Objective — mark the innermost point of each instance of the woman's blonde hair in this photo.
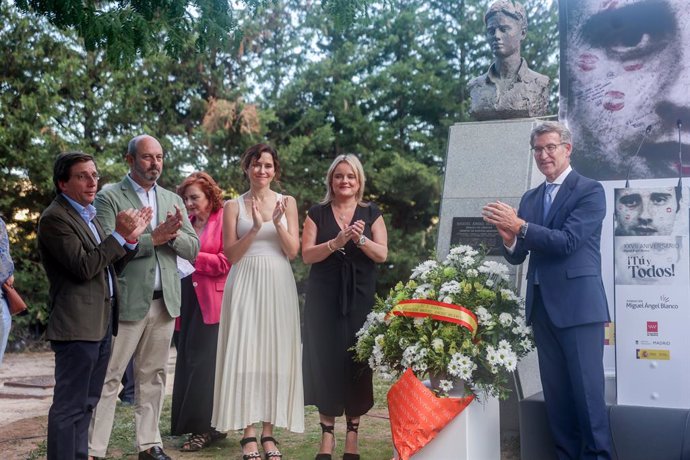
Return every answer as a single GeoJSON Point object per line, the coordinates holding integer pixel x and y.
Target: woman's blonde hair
{"type": "Point", "coordinates": [356, 165]}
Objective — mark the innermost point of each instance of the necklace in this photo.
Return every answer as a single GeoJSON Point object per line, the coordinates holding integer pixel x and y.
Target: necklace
{"type": "Point", "coordinates": [342, 215]}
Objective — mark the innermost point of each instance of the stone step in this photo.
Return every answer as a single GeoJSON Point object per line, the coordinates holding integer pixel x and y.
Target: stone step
{"type": "Point", "coordinates": [40, 386]}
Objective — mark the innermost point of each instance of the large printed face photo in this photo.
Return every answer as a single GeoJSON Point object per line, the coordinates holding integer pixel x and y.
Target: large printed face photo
{"type": "Point", "coordinates": [646, 211]}
{"type": "Point", "coordinates": [625, 65]}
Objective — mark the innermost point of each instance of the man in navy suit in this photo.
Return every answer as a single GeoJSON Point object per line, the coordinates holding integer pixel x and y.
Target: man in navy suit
{"type": "Point", "coordinates": [559, 225]}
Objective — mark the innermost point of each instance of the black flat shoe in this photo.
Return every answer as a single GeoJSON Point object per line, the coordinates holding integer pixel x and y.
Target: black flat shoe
{"type": "Point", "coordinates": [154, 453]}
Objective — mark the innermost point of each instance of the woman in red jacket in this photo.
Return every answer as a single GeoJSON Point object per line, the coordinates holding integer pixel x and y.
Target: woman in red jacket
{"type": "Point", "coordinates": [202, 295]}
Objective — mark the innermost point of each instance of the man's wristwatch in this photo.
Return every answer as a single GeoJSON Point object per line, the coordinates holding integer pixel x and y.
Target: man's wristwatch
{"type": "Point", "coordinates": [523, 231]}
{"type": "Point", "coordinates": [362, 241]}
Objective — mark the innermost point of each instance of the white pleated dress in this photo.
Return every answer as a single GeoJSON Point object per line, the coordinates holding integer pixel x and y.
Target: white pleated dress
{"type": "Point", "coordinates": [259, 362]}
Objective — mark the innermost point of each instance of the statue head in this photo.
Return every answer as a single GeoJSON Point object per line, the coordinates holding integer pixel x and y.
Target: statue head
{"type": "Point", "coordinates": [510, 8]}
{"type": "Point", "coordinates": [506, 27]}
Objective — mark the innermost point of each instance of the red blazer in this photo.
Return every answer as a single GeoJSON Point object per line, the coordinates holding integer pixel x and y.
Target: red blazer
{"type": "Point", "coordinates": [212, 268]}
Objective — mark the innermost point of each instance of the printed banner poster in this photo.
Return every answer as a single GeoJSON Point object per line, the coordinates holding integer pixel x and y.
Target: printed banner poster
{"type": "Point", "coordinates": [626, 101]}
{"type": "Point", "coordinates": [652, 288]}
{"type": "Point", "coordinates": [621, 82]}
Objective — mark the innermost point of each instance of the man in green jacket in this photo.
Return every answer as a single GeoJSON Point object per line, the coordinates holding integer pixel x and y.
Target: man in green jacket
{"type": "Point", "coordinates": [150, 292]}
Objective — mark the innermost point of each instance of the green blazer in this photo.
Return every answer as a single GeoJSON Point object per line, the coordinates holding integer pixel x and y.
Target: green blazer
{"type": "Point", "coordinates": [136, 280]}
{"type": "Point", "coordinates": [76, 266]}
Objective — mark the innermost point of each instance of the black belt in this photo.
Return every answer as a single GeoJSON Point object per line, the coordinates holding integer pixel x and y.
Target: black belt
{"type": "Point", "coordinates": [157, 295]}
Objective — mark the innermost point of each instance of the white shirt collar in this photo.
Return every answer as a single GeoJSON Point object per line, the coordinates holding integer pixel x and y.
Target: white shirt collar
{"type": "Point", "coordinates": [561, 178]}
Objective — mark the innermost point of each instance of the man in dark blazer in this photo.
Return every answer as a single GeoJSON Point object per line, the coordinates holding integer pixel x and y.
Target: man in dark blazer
{"type": "Point", "coordinates": [558, 224]}
{"type": "Point", "coordinates": [81, 263]}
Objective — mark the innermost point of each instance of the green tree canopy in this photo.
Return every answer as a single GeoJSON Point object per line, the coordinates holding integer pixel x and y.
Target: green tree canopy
{"type": "Point", "coordinates": [386, 87]}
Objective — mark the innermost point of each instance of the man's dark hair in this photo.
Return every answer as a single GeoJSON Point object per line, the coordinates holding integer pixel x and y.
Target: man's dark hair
{"type": "Point", "coordinates": [63, 165]}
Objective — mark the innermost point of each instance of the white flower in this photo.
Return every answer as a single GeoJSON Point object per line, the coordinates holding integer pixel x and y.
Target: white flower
{"type": "Point", "coordinates": [445, 385]}
{"type": "Point", "coordinates": [489, 282]}
{"type": "Point", "coordinates": [418, 321]}
{"type": "Point", "coordinates": [409, 355]}
{"type": "Point", "coordinates": [379, 340]}
{"type": "Point", "coordinates": [446, 299]}
{"type": "Point", "coordinates": [422, 270]}
{"type": "Point", "coordinates": [494, 270]}
{"type": "Point", "coordinates": [423, 291]}
{"type": "Point", "coordinates": [419, 367]}
{"type": "Point", "coordinates": [449, 287]}
{"type": "Point", "coordinates": [526, 344]}
{"type": "Point", "coordinates": [492, 356]}
{"type": "Point", "coordinates": [521, 327]}
{"type": "Point", "coordinates": [504, 345]}
{"type": "Point", "coordinates": [423, 352]}
{"type": "Point", "coordinates": [437, 345]}
{"type": "Point", "coordinates": [461, 255]}
{"type": "Point", "coordinates": [472, 273]}
{"type": "Point", "coordinates": [484, 317]}
{"type": "Point", "coordinates": [509, 295]}
{"type": "Point", "coordinates": [373, 318]}
{"type": "Point", "coordinates": [461, 366]}
{"type": "Point", "coordinates": [510, 362]}
{"type": "Point", "coordinates": [505, 319]}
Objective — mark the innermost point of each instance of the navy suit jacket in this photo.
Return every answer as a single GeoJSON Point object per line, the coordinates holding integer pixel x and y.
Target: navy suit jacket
{"type": "Point", "coordinates": [564, 248]}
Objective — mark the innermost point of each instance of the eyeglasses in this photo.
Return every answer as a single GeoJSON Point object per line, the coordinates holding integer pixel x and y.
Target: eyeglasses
{"type": "Point", "coordinates": [548, 148]}
{"type": "Point", "coordinates": [84, 176]}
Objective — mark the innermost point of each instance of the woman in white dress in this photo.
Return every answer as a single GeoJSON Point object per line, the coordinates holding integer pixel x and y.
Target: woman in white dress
{"type": "Point", "coordinates": [258, 369]}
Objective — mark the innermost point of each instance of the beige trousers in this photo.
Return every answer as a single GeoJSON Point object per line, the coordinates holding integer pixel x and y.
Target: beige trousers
{"type": "Point", "coordinates": [148, 341]}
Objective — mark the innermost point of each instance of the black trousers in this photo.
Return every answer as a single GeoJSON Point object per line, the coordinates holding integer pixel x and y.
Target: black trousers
{"type": "Point", "coordinates": [80, 368]}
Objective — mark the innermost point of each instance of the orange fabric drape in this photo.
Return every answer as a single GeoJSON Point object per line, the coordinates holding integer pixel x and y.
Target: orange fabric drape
{"type": "Point", "coordinates": [417, 415]}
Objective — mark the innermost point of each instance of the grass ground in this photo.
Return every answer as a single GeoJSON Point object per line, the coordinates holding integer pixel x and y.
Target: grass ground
{"type": "Point", "coordinates": [375, 443]}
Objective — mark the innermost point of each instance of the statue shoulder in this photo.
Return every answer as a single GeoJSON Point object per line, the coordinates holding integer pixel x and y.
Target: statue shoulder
{"type": "Point", "coordinates": [536, 77]}
{"type": "Point", "coordinates": [477, 81]}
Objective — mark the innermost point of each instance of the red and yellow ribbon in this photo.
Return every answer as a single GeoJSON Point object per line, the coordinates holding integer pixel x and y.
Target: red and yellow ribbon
{"type": "Point", "coordinates": [419, 308]}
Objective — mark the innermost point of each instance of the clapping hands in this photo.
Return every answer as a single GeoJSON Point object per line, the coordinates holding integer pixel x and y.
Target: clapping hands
{"type": "Point", "coordinates": [131, 223]}
{"type": "Point", "coordinates": [279, 210]}
{"type": "Point", "coordinates": [168, 230]}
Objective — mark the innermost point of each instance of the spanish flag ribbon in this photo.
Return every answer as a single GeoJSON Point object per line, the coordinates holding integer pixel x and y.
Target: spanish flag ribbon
{"type": "Point", "coordinates": [421, 308]}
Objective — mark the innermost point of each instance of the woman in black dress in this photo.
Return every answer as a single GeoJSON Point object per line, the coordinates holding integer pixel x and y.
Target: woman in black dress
{"type": "Point", "coordinates": [202, 296]}
{"type": "Point", "coordinates": [343, 239]}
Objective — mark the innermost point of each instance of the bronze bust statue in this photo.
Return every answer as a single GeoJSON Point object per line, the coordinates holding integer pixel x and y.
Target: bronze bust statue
{"type": "Point", "coordinates": [509, 89]}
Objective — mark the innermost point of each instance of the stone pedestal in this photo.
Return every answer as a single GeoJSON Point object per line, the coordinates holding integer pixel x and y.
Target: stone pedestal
{"type": "Point", "coordinates": [486, 161]}
{"type": "Point", "coordinates": [473, 434]}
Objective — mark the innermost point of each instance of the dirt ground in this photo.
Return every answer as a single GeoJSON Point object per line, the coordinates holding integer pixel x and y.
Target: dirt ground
{"type": "Point", "coordinates": [26, 393]}
{"type": "Point", "coordinates": [24, 409]}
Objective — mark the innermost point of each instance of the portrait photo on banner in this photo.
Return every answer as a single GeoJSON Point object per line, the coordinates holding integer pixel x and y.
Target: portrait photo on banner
{"type": "Point", "coordinates": [625, 86]}
{"type": "Point", "coordinates": [651, 235]}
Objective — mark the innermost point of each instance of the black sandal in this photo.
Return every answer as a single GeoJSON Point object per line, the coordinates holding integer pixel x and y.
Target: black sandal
{"type": "Point", "coordinates": [326, 429]}
{"type": "Point", "coordinates": [270, 453]}
{"type": "Point", "coordinates": [351, 427]}
{"type": "Point", "coordinates": [196, 442]}
{"type": "Point", "coordinates": [250, 455]}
